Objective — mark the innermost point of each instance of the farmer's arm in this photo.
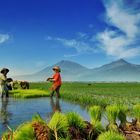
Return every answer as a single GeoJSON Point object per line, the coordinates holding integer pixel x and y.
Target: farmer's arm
{"type": "Point", "coordinates": [49, 79]}
{"type": "Point", "coordinates": [54, 78]}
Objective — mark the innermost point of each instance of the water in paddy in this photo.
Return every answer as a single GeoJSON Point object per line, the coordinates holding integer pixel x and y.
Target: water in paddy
{"type": "Point", "coordinates": [16, 111]}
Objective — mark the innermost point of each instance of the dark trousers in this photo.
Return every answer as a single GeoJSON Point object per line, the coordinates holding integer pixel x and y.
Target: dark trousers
{"type": "Point", "coordinates": [4, 91]}
{"type": "Point", "coordinates": [57, 92]}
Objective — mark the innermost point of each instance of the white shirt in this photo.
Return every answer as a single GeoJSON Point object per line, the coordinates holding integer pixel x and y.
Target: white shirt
{"type": "Point", "coordinates": [2, 79]}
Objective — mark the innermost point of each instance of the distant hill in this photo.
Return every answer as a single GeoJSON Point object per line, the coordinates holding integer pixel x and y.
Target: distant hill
{"type": "Point", "coordinates": [119, 70]}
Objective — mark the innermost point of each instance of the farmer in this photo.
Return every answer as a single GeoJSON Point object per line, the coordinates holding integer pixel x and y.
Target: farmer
{"type": "Point", "coordinates": [3, 82]}
{"type": "Point", "coordinates": [56, 79]}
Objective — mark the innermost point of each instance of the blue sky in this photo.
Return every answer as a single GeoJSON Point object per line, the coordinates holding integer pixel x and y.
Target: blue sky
{"type": "Point", "coordinates": [38, 33]}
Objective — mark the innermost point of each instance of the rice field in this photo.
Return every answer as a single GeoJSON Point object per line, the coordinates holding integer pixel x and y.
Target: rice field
{"type": "Point", "coordinates": [116, 100]}
{"type": "Point", "coordinates": [97, 93]}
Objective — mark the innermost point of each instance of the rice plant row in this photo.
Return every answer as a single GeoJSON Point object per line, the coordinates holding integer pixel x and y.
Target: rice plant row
{"type": "Point", "coordinates": [102, 94]}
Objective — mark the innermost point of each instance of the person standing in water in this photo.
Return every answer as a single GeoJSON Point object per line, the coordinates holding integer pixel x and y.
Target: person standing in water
{"type": "Point", "coordinates": [56, 80]}
{"type": "Point", "coordinates": [3, 82]}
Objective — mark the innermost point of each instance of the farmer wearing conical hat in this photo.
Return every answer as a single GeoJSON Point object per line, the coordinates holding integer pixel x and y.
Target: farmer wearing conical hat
{"type": "Point", "coordinates": [56, 80]}
{"type": "Point", "coordinates": [3, 80]}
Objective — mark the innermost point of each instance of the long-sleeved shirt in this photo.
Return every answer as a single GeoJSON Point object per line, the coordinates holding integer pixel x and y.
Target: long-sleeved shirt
{"type": "Point", "coordinates": [57, 79]}
{"type": "Point", "coordinates": [2, 79]}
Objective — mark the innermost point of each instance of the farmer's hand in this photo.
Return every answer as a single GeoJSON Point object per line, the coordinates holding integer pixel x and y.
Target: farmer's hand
{"type": "Point", "coordinates": [48, 79]}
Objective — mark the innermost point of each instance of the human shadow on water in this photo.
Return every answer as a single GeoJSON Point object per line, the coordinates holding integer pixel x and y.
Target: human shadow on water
{"type": "Point", "coordinates": [55, 105]}
{"type": "Point", "coordinates": [4, 114]}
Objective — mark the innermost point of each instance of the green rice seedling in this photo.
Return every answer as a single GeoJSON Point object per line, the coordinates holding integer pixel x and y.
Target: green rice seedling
{"type": "Point", "coordinates": [136, 111]}
{"type": "Point", "coordinates": [30, 93]}
{"type": "Point", "coordinates": [76, 125]}
{"type": "Point", "coordinates": [75, 120]}
{"type": "Point", "coordinates": [110, 135]}
{"type": "Point", "coordinates": [97, 129]}
{"type": "Point", "coordinates": [40, 127]}
{"type": "Point", "coordinates": [112, 113]}
{"type": "Point", "coordinates": [103, 102]}
{"type": "Point", "coordinates": [97, 94]}
{"type": "Point", "coordinates": [59, 125]}
{"type": "Point", "coordinates": [95, 113]}
{"type": "Point", "coordinates": [24, 132]}
{"type": "Point", "coordinates": [123, 109]}
{"type": "Point", "coordinates": [97, 125]}
{"type": "Point", "coordinates": [38, 118]}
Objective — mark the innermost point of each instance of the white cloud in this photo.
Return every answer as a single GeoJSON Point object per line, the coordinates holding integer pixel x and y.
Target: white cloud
{"type": "Point", "coordinates": [117, 45]}
{"type": "Point", "coordinates": [123, 42]}
{"type": "Point", "coordinates": [125, 19]}
{"type": "Point", "coordinates": [79, 44]}
{"type": "Point", "coordinates": [121, 37]}
{"type": "Point", "coordinates": [4, 38]}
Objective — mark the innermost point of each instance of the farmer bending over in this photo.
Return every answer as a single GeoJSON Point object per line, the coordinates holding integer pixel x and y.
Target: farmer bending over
{"type": "Point", "coordinates": [56, 79]}
{"type": "Point", "coordinates": [3, 82]}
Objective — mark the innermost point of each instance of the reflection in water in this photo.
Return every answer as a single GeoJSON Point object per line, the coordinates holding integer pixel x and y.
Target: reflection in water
{"type": "Point", "coordinates": [4, 114]}
{"type": "Point", "coordinates": [55, 105]}
{"type": "Point", "coordinates": [18, 111]}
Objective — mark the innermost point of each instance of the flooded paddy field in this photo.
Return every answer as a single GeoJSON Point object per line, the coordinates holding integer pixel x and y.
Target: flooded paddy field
{"type": "Point", "coordinates": [16, 111]}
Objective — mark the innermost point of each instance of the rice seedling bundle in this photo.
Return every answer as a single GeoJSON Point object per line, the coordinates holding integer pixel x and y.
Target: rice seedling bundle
{"type": "Point", "coordinates": [29, 93]}
{"type": "Point", "coordinates": [136, 110]}
{"type": "Point", "coordinates": [112, 113]}
{"type": "Point", "coordinates": [95, 113]}
{"type": "Point", "coordinates": [24, 132]}
{"type": "Point", "coordinates": [59, 125]}
{"type": "Point", "coordinates": [123, 109]}
{"type": "Point", "coordinates": [110, 135]}
{"type": "Point", "coordinates": [75, 120]}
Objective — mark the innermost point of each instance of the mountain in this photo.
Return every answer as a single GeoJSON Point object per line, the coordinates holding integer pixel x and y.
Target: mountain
{"type": "Point", "coordinates": [119, 70]}
{"type": "Point", "coordinates": [70, 70]}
